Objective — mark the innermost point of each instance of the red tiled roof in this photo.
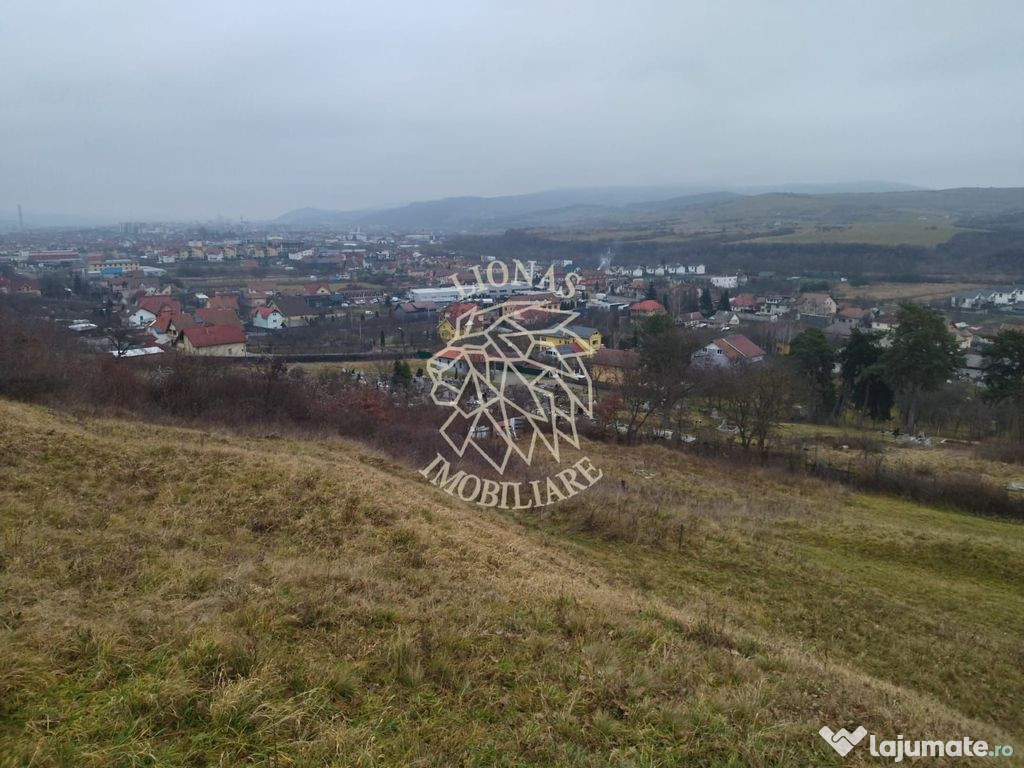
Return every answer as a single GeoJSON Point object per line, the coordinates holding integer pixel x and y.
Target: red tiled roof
{"type": "Point", "coordinates": [159, 305]}
{"type": "Point", "coordinates": [531, 314]}
{"type": "Point", "coordinates": [264, 312]}
{"type": "Point", "coordinates": [739, 346]}
{"type": "Point", "coordinates": [457, 310]}
{"type": "Point", "coordinates": [648, 305]}
{"type": "Point", "coordinates": [742, 300]}
{"type": "Point", "coordinates": [222, 301]}
{"type": "Point", "coordinates": [161, 323]}
{"type": "Point", "coordinates": [214, 335]}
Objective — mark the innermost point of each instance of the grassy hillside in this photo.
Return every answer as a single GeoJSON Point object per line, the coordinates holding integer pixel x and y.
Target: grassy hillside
{"type": "Point", "coordinates": [179, 597]}
{"type": "Point", "coordinates": [910, 231]}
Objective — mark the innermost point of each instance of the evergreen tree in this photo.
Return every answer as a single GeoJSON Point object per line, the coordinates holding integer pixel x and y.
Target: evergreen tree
{"type": "Point", "coordinates": [723, 302]}
{"type": "Point", "coordinates": [707, 306]}
{"type": "Point", "coordinates": [860, 373]}
{"type": "Point", "coordinates": [923, 355]}
{"type": "Point", "coordinates": [814, 359]}
{"type": "Point", "coordinates": [1004, 370]}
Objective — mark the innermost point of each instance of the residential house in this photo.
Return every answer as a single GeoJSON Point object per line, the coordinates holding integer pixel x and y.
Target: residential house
{"type": "Point", "coordinates": [450, 360]}
{"type": "Point", "coordinates": [258, 294]}
{"type": "Point", "coordinates": [610, 366]}
{"type": "Point", "coordinates": [149, 308]}
{"type": "Point", "coordinates": [177, 325]}
{"type": "Point", "coordinates": [743, 302]}
{"type": "Point", "coordinates": [449, 328]}
{"type": "Point", "coordinates": [883, 322]}
{"type": "Point", "coordinates": [968, 300]}
{"type": "Point", "coordinates": [1006, 295]}
{"type": "Point", "coordinates": [587, 337]}
{"type": "Point", "coordinates": [817, 304]}
{"type": "Point", "coordinates": [268, 318]}
{"type": "Point", "coordinates": [777, 305]}
{"type": "Point", "coordinates": [730, 350]}
{"type": "Point", "coordinates": [167, 329]}
{"type": "Point", "coordinates": [317, 294]}
{"type": "Point", "coordinates": [725, 281]}
{"type": "Point", "coordinates": [646, 308]}
{"type": "Point", "coordinates": [214, 341]}
{"type": "Point", "coordinates": [723, 319]}
{"type": "Point", "coordinates": [223, 301]}
{"type": "Point", "coordinates": [294, 309]}
{"type": "Point", "coordinates": [416, 309]}
{"type": "Point", "coordinates": [690, 319]}
{"type": "Point", "coordinates": [207, 316]}
{"type": "Point", "coordinates": [854, 317]}
{"type": "Point", "coordinates": [26, 287]}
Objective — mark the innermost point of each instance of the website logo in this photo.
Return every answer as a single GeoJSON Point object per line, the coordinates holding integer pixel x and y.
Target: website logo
{"type": "Point", "coordinates": [514, 377]}
{"type": "Point", "coordinates": [842, 741]}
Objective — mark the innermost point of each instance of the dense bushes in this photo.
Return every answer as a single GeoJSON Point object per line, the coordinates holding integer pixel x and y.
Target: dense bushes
{"type": "Point", "coordinates": [40, 364]}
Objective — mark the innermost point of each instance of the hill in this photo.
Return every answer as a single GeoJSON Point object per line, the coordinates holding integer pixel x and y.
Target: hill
{"type": "Point", "coordinates": [685, 210]}
{"type": "Point", "coordinates": [178, 596]}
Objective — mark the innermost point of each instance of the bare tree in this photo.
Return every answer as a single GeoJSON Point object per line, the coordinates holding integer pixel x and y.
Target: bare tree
{"type": "Point", "coordinates": [756, 398]}
{"type": "Point", "coordinates": [659, 383]}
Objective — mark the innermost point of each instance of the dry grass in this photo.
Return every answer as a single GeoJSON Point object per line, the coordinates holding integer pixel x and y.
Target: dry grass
{"type": "Point", "coordinates": [179, 597]}
{"type": "Point", "coordinates": [895, 292]}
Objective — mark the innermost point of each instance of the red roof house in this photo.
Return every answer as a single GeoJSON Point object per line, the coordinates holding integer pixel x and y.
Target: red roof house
{"type": "Point", "coordinates": [646, 308]}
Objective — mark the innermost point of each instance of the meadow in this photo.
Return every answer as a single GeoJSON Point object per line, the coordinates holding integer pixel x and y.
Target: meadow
{"type": "Point", "coordinates": [181, 596]}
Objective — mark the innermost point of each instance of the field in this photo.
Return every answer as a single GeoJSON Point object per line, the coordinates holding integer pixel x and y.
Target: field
{"type": "Point", "coordinates": [896, 232]}
{"type": "Point", "coordinates": [897, 292]}
{"type": "Point", "coordinates": [177, 596]}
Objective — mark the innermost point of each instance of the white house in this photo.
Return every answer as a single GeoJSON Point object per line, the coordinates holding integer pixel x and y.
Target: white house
{"type": "Point", "coordinates": [267, 317]}
{"type": "Point", "coordinates": [724, 319]}
{"type": "Point", "coordinates": [730, 349]}
{"type": "Point", "coordinates": [141, 317]}
{"type": "Point", "coordinates": [1005, 295]}
{"type": "Point", "coordinates": [725, 281]}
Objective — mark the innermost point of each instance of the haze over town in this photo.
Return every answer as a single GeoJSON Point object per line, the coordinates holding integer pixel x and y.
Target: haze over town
{"type": "Point", "coordinates": [171, 111]}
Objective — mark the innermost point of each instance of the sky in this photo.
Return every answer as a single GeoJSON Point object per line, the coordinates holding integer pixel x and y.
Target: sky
{"type": "Point", "coordinates": [189, 110]}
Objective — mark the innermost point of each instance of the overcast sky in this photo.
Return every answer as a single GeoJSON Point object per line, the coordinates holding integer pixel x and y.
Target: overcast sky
{"type": "Point", "coordinates": [160, 110]}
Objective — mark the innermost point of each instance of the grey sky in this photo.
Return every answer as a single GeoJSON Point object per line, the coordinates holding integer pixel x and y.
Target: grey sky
{"type": "Point", "coordinates": [190, 109]}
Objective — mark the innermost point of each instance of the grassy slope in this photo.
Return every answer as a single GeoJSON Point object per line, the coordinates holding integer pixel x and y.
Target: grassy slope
{"type": "Point", "coordinates": [169, 596]}
{"type": "Point", "coordinates": [908, 231]}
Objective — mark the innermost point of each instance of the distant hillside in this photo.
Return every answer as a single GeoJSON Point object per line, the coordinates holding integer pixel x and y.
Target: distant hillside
{"type": "Point", "coordinates": [319, 217]}
{"type": "Point", "coordinates": [692, 209]}
{"type": "Point", "coordinates": [195, 597]}
{"type": "Point", "coordinates": [481, 212]}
